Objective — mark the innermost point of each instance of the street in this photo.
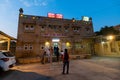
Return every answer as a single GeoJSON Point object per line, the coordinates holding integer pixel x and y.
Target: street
{"type": "Point", "coordinates": [83, 69]}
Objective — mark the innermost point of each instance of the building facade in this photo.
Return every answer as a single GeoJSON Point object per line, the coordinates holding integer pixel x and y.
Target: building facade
{"type": "Point", "coordinates": [117, 27]}
{"type": "Point", "coordinates": [108, 45]}
{"type": "Point", "coordinates": [35, 32]}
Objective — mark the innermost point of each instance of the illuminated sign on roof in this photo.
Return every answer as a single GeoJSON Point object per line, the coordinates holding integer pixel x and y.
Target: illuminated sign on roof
{"type": "Point", "coordinates": [85, 18]}
{"type": "Point", "coordinates": [52, 15]}
{"type": "Point", "coordinates": [59, 16]}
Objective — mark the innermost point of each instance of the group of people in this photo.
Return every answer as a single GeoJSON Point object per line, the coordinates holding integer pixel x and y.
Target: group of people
{"type": "Point", "coordinates": [64, 56]}
{"type": "Point", "coordinates": [46, 52]}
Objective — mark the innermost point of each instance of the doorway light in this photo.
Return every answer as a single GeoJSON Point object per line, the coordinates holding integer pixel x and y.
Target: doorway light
{"type": "Point", "coordinates": [55, 40]}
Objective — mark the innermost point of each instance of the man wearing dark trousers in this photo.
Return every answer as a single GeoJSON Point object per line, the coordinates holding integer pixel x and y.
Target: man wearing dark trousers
{"type": "Point", "coordinates": [65, 62]}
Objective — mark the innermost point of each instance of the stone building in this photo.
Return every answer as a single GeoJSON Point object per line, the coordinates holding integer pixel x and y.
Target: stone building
{"type": "Point", "coordinates": [108, 45]}
{"type": "Point", "coordinates": [35, 32]}
{"type": "Point", "coordinates": [117, 27]}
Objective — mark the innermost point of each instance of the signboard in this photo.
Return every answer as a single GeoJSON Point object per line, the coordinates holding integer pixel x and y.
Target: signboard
{"type": "Point", "coordinates": [85, 18]}
{"type": "Point", "coordinates": [59, 16]}
{"type": "Point", "coordinates": [52, 15]}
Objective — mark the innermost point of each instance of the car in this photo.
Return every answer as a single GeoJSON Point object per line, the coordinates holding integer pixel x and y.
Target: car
{"type": "Point", "coordinates": [7, 60]}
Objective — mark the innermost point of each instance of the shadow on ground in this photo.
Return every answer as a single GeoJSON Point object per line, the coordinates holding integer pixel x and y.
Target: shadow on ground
{"type": "Point", "coordinates": [19, 75]}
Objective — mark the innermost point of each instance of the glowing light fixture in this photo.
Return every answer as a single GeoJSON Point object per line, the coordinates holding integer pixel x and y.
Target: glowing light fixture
{"type": "Point", "coordinates": [110, 37]}
{"type": "Point", "coordinates": [33, 17]}
{"type": "Point", "coordinates": [47, 43]}
{"type": "Point", "coordinates": [55, 40]}
{"type": "Point", "coordinates": [73, 20]}
{"type": "Point", "coordinates": [67, 44]}
{"type": "Point", "coordinates": [21, 15]}
{"type": "Point", "coordinates": [2, 41]}
{"type": "Point", "coordinates": [102, 42]}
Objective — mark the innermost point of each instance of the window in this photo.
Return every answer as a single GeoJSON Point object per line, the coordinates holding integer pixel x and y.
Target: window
{"type": "Point", "coordinates": [112, 46]}
{"type": "Point", "coordinates": [31, 27]}
{"type": "Point", "coordinates": [75, 29]}
{"type": "Point", "coordinates": [78, 45]}
{"type": "Point", "coordinates": [59, 26]}
{"type": "Point", "coordinates": [25, 47]}
{"type": "Point", "coordinates": [30, 47]}
{"type": "Point", "coordinates": [87, 29]}
{"type": "Point", "coordinates": [26, 27]}
{"type": "Point", "coordinates": [42, 28]}
{"type": "Point", "coordinates": [55, 27]}
{"type": "Point", "coordinates": [49, 26]}
{"type": "Point", "coordinates": [66, 29]}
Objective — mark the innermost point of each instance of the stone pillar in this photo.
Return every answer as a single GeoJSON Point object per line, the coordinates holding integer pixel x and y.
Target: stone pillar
{"type": "Point", "coordinates": [8, 45]}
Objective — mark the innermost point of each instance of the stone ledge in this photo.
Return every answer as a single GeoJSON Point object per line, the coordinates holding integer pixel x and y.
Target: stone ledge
{"type": "Point", "coordinates": [81, 56]}
{"type": "Point", "coordinates": [38, 59]}
{"type": "Point", "coordinates": [28, 60]}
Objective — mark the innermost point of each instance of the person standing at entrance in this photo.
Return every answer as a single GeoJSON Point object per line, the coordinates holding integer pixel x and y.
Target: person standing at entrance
{"type": "Point", "coordinates": [65, 62]}
{"type": "Point", "coordinates": [48, 54]}
{"type": "Point", "coordinates": [51, 54]}
{"type": "Point", "coordinates": [57, 53]}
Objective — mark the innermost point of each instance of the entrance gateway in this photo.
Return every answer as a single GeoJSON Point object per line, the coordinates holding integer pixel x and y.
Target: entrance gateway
{"type": "Point", "coordinates": [56, 43]}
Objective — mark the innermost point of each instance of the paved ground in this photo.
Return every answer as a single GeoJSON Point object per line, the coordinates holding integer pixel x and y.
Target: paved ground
{"type": "Point", "coordinates": [96, 68]}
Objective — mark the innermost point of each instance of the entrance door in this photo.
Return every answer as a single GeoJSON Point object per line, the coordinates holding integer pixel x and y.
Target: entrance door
{"type": "Point", "coordinates": [55, 42]}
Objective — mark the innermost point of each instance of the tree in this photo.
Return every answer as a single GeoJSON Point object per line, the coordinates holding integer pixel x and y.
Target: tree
{"type": "Point", "coordinates": [107, 31]}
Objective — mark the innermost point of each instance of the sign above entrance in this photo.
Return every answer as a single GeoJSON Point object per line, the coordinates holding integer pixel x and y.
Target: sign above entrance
{"type": "Point", "coordinates": [55, 35]}
{"type": "Point", "coordinates": [55, 40]}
